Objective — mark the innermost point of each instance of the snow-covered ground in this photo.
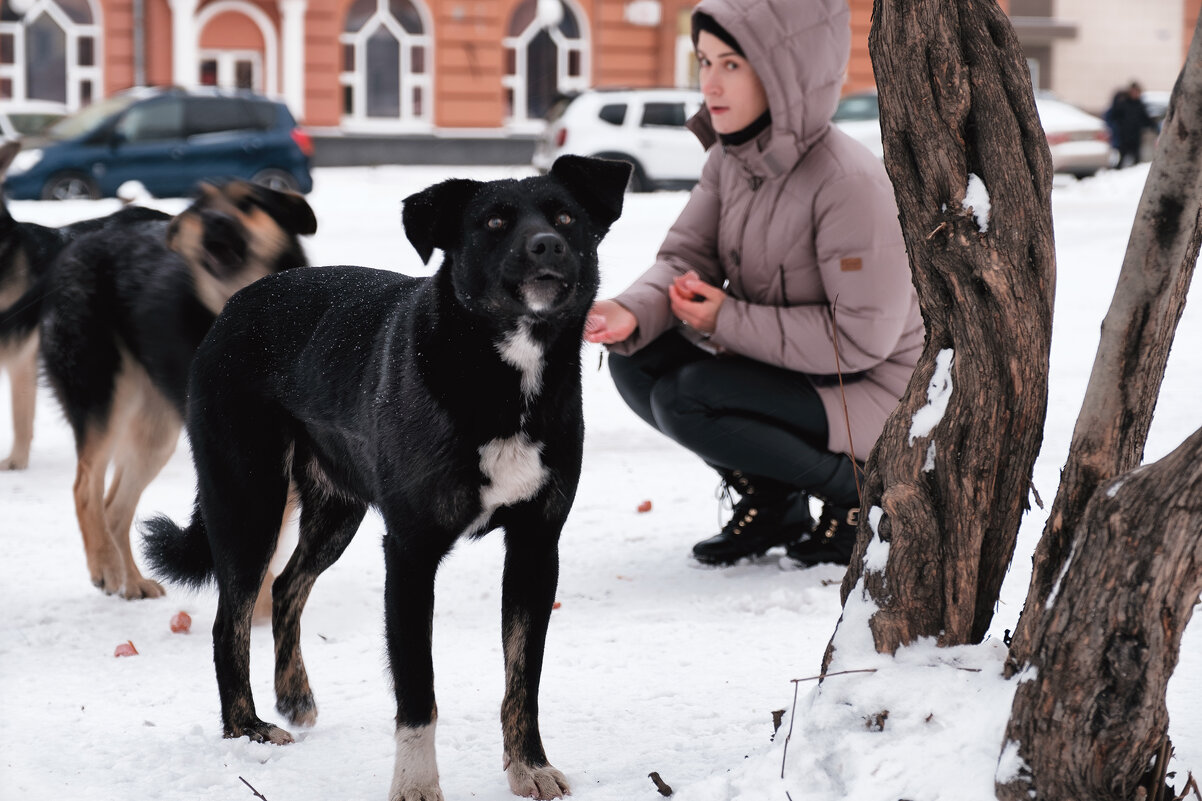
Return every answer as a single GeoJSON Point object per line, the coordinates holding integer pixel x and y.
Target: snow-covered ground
{"type": "Point", "coordinates": [653, 664]}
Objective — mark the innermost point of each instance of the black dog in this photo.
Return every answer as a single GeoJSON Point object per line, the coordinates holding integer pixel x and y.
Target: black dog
{"type": "Point", "coordinates": [129, 308]}
{"type": "Point", "coordinates": [27, 254]}
{"type": "Point", "coordinates": [452, 404]}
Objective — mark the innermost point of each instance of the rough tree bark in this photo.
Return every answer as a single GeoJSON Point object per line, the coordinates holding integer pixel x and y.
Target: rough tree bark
{"type": "Point", "coordinates": [1089, 714]}
{"type": "Point", "coordinates": [1119, 567]}
{"type": "Point", "coordinates": [1137, 333]}
{"type": "Point", "coordinates": [956, 99]}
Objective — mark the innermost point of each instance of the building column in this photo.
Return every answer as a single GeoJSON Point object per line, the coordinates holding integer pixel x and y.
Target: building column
{"type": "Point", "coordinates": [185, 58]}
{"type": "Point", "coordinates": [293, 35]}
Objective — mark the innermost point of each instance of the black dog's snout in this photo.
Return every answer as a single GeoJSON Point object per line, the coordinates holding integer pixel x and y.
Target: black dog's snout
{"type": "Point", "coordinates": [546, 247]}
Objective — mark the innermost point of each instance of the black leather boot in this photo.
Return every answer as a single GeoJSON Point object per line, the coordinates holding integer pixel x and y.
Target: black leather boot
{"type": "Point", "coordinates": [768, 513]}
{"type": "Point", "coordinates": [832, 540]}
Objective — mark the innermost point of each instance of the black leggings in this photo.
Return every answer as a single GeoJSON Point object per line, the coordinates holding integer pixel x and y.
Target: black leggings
{"type": "Point", "coordinates": [736, 414]}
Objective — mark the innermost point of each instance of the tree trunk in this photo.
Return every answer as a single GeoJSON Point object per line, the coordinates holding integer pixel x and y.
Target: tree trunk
{"type": "Point", "coordinates": [1136, 336]}
{"type": "Point", "coordinates": [1118, 571]}
{"type": "Point", "coordinates": [1090, 713]}
{"type": "Point", "coordinates": [956, 100]}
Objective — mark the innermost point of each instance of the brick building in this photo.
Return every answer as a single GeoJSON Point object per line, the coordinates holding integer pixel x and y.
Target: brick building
{"type": "Point", "coordinates": [398, 66]}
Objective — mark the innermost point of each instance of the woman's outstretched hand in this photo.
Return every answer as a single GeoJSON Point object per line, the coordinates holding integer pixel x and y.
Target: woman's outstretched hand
{"type": "Point", "coordinates": [695, 303]}
{"type": "Point", "coordinates": [609, 322]}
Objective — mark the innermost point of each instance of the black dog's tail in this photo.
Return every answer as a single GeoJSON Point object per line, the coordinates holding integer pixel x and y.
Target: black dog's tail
{"type": "Point", "coordinates": [179, 555]}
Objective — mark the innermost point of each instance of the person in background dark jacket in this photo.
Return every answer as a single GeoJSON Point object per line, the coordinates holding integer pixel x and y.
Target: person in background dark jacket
{"type": "Point", "coordinates": [1128, 119]}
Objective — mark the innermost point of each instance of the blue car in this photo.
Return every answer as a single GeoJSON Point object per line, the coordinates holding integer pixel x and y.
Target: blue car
{"type": "Point", "coordinates": [168, 140]}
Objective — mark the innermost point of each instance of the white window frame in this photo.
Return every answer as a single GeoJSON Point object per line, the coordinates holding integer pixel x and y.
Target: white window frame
{"type": "Point", "coordinates": [520, 121]}
{"type": "Point", "coordinates": [74, 31]}
{"type": "Point", "coordinates": [227, 66]}
{"type": "Point", "coordinates": [408, 121]}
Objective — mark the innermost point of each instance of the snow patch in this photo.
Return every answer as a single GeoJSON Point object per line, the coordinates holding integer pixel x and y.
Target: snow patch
{"type": "Point", "coordinates": [877, 555]}
{"type": "Point", "coordinates": [976, 200]}
{"type": "Point", "coordinates": [1011, 766]}
{"type": "Point", "coordinates": [1063, 572]}
{"type": "Point", "coordinates": [939, 391]}
{"type": "Point", "coordinates": [929, 464]}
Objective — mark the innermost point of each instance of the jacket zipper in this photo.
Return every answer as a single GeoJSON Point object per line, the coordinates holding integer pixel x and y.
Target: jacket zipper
{"type": "Point", "coordinates": [736, 255]}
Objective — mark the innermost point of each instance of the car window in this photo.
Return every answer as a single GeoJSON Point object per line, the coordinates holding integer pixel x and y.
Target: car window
{"type": "Point", "coordinates": [857, 107]}
{"type": "Point", "coordinates": [613, 113]}
{"type": "Point", "coordinates": [663, 114]}
{"type": "Point", "coordinates": [204, 115]}
{"type": "Point", "coordinates": [153, 120]}
{"type": "Point", "coordinates": [89, 117]}
{"type": "Point", "coordinates": [265, 114]}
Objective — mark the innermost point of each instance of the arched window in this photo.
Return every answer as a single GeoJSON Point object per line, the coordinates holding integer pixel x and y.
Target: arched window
{"type": "Point", "coordinates": [49, 51]}
{"type": "Point", "coordinates": [544, 58]}
{"type": "Point", "coordinates": [386, 65]}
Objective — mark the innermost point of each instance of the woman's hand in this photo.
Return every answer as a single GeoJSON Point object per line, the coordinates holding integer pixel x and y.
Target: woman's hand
{"type": "Point", "coordinates": [695, 303]}
{"type": "Point", "coordinates": [609, 322]}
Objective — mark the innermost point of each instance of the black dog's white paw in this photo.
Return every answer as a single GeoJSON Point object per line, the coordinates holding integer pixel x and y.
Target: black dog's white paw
{"type": "Point", "coordinates": [541, 783]}
{"type": "Point", "coordinates": [415, 794]}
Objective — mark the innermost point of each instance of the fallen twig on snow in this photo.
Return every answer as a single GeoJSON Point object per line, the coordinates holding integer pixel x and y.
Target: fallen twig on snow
{"type": "Point", "coordinates": [252, 789]}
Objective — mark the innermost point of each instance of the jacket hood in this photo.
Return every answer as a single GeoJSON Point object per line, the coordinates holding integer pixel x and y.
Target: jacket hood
{"type": "Point", "coordinates": [799, 50]}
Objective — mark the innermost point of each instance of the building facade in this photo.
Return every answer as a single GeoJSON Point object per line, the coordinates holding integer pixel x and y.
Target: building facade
{"type": "Point", "coordinates": [423, 66]}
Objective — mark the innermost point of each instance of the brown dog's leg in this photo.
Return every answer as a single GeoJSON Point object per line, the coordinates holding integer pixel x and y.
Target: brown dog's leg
{"type": "Point", "coordinates": [105, 565]}
{"type": "Point", "coordinates": [262, 613]}
{"type": "Point", "coordinates": [145, 446]}
{"type": "Point", "coordinates": [23, 373]}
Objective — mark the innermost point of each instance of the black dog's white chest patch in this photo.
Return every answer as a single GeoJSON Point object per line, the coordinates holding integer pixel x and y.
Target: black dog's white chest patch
{"type": "Point", "coordinates": [519, 349]}
{"type": "Point", "coordinates": [514, 471]}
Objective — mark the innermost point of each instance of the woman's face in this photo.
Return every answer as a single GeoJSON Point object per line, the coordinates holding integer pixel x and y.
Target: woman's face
{"type": "Point", "coordinates": [733, 92]}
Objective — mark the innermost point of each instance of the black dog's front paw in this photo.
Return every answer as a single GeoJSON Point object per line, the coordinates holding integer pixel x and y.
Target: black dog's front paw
{"type": "Point", "coordinates": [536, 782]}
{"type": "Point", "coordinates": [260, 732]}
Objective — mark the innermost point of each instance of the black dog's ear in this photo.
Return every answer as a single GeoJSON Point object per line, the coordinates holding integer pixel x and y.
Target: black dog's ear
{"type": "Point", "coordinates": [430, 217]}
{"type": "Point", "coordinates": [290, 210]}
{"type": "Point", "coordinates": [599, 184]}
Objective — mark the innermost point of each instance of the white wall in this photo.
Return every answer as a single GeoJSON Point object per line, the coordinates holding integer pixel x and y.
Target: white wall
{"type": "Point", "coordinates": [1117, 41]}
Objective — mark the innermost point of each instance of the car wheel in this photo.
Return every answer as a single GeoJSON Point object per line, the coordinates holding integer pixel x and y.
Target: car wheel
{"type": "Point", "coordinates": [279, 180]}
{"type": "Point", "coordinates": [70, 186]}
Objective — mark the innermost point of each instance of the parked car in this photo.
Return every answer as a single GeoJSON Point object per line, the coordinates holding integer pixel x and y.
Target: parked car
{"type": "Point", "coordinates": [859, 116]}
{"type": "Point", "coordinates": [1156, 101]}
{"type": "Point", "coordinates": [28, 120]}
{"type": "Point", "coordinates": [642, 126]}
{"type": "Point", "coordinates": [1078, 141]}
{"type": "Point", "coordinates": [167, 139]}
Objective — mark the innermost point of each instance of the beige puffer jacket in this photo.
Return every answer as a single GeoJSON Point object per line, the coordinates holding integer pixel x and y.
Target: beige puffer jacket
{"type": "Point", "coordinates": [801, 228]}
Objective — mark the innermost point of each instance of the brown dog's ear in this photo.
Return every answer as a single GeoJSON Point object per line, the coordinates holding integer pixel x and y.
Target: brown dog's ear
{"type": "Point", "coordinates": [599, 184]}
{"type": "Point", "coordinates": [290, 209]}
{"type": "Point", "coordinates": [432, 217]}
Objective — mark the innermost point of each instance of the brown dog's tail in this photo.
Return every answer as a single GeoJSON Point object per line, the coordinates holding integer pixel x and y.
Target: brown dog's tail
{"type": "Point", "coordinates": [178, 555]}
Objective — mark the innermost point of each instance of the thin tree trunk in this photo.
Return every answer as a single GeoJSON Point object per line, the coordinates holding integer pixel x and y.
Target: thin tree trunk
{"type": "Point", "coordinates": [1136, 336]}
{"type": "Point", "coordinates": [956, 100]}
{"type": "Point", "coordinates": [1119, 568]}
{"type": "Point", "coordinates": [1089, 714]}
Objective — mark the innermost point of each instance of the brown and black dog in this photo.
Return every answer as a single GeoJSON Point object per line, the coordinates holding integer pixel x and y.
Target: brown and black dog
{"type": "Point", "coordinates": [27, 255]}
{"type": "Point", "coordinates": [118, 333]}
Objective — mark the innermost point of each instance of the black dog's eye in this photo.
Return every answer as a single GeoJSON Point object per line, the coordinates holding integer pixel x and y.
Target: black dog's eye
{"type": "Point", "coordinates": [495, 223]}
{"type": "Point", "coordinates": [563, 218]}
{"type": "Point", "coordinates": [245, 205]}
